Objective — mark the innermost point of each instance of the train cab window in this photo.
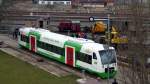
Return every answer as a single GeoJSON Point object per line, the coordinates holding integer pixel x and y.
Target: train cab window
{"type": "Point", "coordinates": [94, 56]}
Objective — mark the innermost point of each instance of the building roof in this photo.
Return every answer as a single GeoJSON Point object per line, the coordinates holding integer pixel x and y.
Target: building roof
{"type": "Point", "coordinates": [92, 1]}
{"type": "Point", "coordinates": [95, 1]}
{"type": "Point", "coordinates": [56, 0]}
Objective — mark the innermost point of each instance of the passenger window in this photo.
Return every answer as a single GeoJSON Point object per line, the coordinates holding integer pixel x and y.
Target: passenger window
{"type": "Point", "coordinates": [94, 56]}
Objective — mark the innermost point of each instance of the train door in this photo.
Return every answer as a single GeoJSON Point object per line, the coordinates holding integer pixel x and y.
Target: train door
{"type": "Point", "coordinates": [33, 43]}
{"type": "Point", "coordinates": [70, 55]}
{"type": "Point", "coordinates": [94, 61]}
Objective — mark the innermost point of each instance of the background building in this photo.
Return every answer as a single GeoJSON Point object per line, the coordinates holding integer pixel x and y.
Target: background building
{"type": "Point", "coordinates": [54, 2]}
{"type": "Point", "coordinates": [93, 3]}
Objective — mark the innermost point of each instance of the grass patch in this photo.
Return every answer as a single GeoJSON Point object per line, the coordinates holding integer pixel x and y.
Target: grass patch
{"type": "Point", "coordinates": [15, 71]}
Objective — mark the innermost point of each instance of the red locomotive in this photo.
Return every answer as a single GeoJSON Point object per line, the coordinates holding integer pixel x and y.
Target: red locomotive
{"type": "Point", "coordinates": [72, 26]}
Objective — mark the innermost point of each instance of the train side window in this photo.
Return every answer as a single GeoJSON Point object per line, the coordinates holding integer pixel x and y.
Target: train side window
{"type": "Point", "coordinates": [62, 51]}
{"type": "Point", "coordinates": [89, 59]}
{"type": "Point", "coordinates": [78, 55]}
{"type": "Point", "coordinates": [56, 50]}
{"type": "Point", "coordinates": [59, 51]}
{"type": "Point", "coordinates": [83, 57]}
{"type": "Point", "coordinates": [22, 38]}
{"type": "Point", "coordinates": [47, 46]}
{"type": "Point", "coordinates": [38, 43]}
{"type": "Point", "coordinates": [50, 47]}
{"type": "Point", "coordinates": [94, 56]}
{"type": "Point", "coordinates": [43, 45]}
{"type": "Point", "coordinates": [25, 38]}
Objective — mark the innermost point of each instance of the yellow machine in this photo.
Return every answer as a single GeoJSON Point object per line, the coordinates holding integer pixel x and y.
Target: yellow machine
{"type": "Point", "coordinates": [117, 38]}
{"type": "Point", "coordinates": [99, 27]}
{"type": "Point", "coordinates": [114, 36]}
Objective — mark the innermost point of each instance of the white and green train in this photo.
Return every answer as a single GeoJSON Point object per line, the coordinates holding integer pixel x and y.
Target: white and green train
{"type": "Point", "coordinates": [76, 52]}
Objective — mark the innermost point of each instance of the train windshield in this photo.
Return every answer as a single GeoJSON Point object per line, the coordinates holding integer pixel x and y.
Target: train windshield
{"type": "Point", "coordinates": [108, 56]}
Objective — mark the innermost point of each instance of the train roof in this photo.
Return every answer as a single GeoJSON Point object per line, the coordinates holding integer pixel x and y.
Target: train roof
{"type": "Point", "coordinates": [29, 29]}
{"type": "Point", "coordinates": [46, 34]}
{"type": "Point", "coordinates": [89, 48]}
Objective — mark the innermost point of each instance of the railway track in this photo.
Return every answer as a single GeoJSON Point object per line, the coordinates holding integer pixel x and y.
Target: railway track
{"type": "Point", "coordinates": [123, 61]}
{"type": "Point", "coordinates": [127, 62]}
{"type": "Point", "coordinates": [51, 13]}
{"type": "Point", "coordinates": [59, 14]}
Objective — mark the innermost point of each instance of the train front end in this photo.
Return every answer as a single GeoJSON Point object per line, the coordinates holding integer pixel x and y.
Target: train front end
{"type": "Point", "coordinates": [103, 59]}
{"type": "Point", "coordinates": [108, 63]}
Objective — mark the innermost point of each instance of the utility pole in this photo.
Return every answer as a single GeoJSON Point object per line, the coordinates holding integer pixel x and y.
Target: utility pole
{"type": "Point", "coordinates": [108, 43]}
{"type": "Point", "coordinates": [109, 29]}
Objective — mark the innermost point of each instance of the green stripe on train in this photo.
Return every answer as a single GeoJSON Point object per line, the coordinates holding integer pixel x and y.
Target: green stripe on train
{"type": "Point", "coordinates": [103, 75]}
{"type": "Point", "coordinates": [38, 35]}
{"type": "Point", "coordinates": [106, 75]}
{"type": "Point", "coordinates": [61, 59]}
{"type": "Point", "coordinates": [76, 45]}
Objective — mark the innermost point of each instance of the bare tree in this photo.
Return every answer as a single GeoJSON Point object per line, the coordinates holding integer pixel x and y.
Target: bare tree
{"type": "Point", "coordinates": [5, 4]}
{"type": "Point", "coordinates": [137, 50]}
{"type": "Point", "coordinates": [137, 12]}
